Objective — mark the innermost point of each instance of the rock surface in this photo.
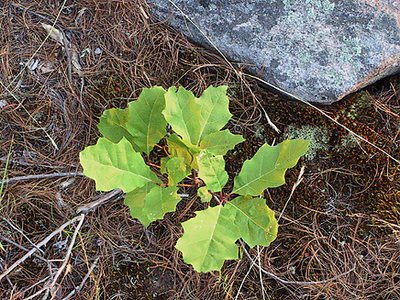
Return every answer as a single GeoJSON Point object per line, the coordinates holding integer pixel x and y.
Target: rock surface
{"type": "Point", "coordinates": [316, 50]}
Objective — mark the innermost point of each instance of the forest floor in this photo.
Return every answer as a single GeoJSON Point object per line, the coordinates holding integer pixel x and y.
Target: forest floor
{"type": "Point", "coordinates": [339, 234]}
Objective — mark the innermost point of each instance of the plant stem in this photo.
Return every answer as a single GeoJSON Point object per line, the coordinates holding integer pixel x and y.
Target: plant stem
{"type": "Point", "coordinates": [153, 165]}
{"type": "Point", "coordinates": [185, 185]}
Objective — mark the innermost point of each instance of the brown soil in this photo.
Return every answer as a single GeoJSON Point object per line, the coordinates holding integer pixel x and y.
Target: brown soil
{"type": "Point", "coordinates": [339, 234]}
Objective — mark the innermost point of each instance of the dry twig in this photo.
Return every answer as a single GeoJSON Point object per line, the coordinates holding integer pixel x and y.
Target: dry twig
{"type": "Point", "coordinates": [40, 176]}
{"type": "Point", "coordinates": [85, 208]}
{"type": "Point", "coordinates": [81, 285]}
{"type": "Point", "coordinates": [42, 243]}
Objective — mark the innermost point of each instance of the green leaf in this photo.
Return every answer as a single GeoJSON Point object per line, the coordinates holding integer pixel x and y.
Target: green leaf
{"type": "Point", "coordinates": [145, 121]}
{"type": "Point", "coordinates": [194, 118]}
{"type": "Point", "coordinates": [177, 170]}
{"type": "Point", "coordinates": [204, 194]}
{"type": "Point", "coordinates": [214, 110]}
{"type": "Point", "coordinates": [268, 166]}
{"type": "Point", "coordinates": [152, 202]}
{"type": "Point", "coordinates": [255, 221]}
{"type": "Point", "coordinates": [112, 125]}
{"type": "Point", "coordinates": [115, 166]}
{"type": "Point", "coordinates": [142, 123]}
{"type": "Point", "coordinates": [220, 142]}
{"type": "Point", "coordinates": [182, 112]}
{"type": "Point", "coordinates": [199, 143]}
{"type": "Point", "coordinates": [209, 239]}
{"type": "Point", "coordinates": [212, 171]}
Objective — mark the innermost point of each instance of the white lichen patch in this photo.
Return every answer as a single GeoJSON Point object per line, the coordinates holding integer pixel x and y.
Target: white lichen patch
{"type": "Point", "coordinates": [318, 137]}
{"type": "Point", "coordinates": [347, 142]}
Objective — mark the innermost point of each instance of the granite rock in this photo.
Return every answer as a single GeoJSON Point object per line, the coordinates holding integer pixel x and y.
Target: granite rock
{"type": "Point", "coordinates": [317, 50]}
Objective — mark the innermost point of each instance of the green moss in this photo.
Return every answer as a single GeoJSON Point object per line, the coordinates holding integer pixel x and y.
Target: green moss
{"type": "Point", "coordinates": [347, 142]}
{"type": "Point", "coordinates": [359, 107]}
{"type": "Point", "coordinates": [318, 137]}
{"type": "Point", "coordinates": [259, 132]}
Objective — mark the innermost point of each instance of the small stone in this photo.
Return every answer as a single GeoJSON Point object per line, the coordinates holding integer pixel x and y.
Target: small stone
{"type": "Point", "coordinates": [98, 51]}
{"type": "Point", "coordinates": [316, 50]}
{"type": "Point", "coordinates": [34, 63]}
{"type": "Point", "coordinates": [3, 103]}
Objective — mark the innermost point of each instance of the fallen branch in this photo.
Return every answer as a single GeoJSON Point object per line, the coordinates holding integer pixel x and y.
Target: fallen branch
{"type": "Point", "coordinates": [7, 240]}
{"type": "Point", "coordinates": [116, 194]}
{"type": "Point", "coordinates": [79, 288]}
{"type": "Point", "coordinates": [85, 208]}
{"type": "Point", "coordinates": [20, 231]}
{"type": "Point", "coordinates": [67, 256]}
{"type": "Point", "coordinates": [39, 176]}
{"type": "Point", "coordinates": [42, 243]}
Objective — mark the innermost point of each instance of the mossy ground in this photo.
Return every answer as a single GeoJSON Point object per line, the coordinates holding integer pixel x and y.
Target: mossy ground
{"type": "Point", "coordinates": [339, 225]}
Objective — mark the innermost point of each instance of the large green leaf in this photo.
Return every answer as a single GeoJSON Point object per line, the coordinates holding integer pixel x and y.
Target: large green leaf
{"type": "Point", "coordinates": [182, 112]}
{"type": "Point", "coordinates": [145, 121]}
{"type": "Point", "coordinates": [220, 142]}
{"type": "Point", "coordinates": [152, 202]}
{"type": "Point", "coordinates": [268, 167]}
{"type": "Point", "coordinates": [209, 239]}
{"type": "Point", "coordinates": [115, 166]}
{"type": "Point", "coordinates": [215, 113]}
{"type": "Point", "coordinates": [212, 171]}
{"type": "Point", "coordinates": [255, 221]}
{"type": "Point", "coordinates": [112, 125]}
{"type": "Point", "coordinates": [194, 118]}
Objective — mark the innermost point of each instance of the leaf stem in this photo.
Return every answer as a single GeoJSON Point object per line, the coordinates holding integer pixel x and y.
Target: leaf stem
{"type": "Point", "coordinates": [185, 185]}
{"type": "Point", "coordinates": [153, 165]}
{"type": "Point", "coordinates": [224, 197]}
{"type": "Point", "coordinates": [216, 198]}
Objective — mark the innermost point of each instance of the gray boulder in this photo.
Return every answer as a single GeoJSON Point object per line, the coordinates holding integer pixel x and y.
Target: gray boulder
{"type": "Point", "coordinates": [316, 50]}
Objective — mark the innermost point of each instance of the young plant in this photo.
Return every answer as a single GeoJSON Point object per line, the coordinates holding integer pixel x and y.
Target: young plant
{"type": "Point", "coordinates": [195, 144]}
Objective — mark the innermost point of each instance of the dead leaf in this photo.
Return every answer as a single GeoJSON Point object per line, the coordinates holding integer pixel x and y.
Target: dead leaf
{"type": "Point", "coordinates": [68, 47]}
{"type": "Point", "coordinates": [46, 67]}
{"type": "Point", "coordinates": [79, 15]}
{"type": "Point", "coordinates": [54, 33]}
{"type": "Point", "coordinates": [75, 59]}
